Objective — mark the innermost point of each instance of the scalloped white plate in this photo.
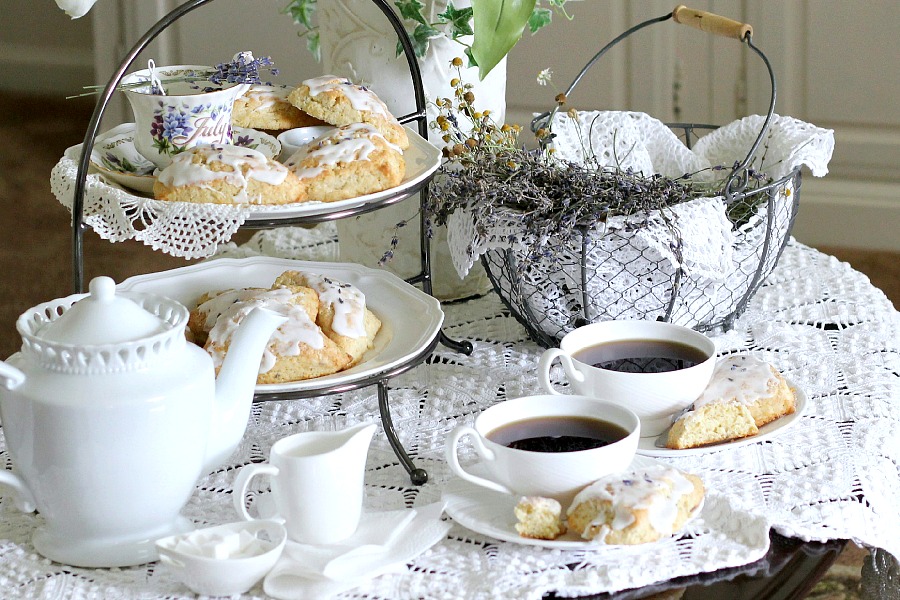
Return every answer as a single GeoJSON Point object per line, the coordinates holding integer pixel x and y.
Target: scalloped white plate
{"type": "Point", "coordinates": [410, 318]}
{"type": "Point", "coordinates": [647, 446]}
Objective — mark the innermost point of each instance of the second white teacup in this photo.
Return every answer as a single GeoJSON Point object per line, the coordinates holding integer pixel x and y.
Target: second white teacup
{"type": "Point", "coordinates": [641, 349]}
{"type": "Point", "coordinates": [541, 445]}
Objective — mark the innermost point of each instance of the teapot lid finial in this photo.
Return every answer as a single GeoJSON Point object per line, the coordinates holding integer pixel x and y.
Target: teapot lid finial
{"type": "Point", "coordinates": [103, 317]}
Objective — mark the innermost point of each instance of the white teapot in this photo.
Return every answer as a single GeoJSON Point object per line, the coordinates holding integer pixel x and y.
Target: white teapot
{"type": "Point", "coordinates": [111, 416]}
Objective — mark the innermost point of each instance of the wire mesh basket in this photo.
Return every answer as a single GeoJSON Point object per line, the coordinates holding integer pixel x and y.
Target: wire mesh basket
{"type": "Point", "coordinates": [604, 272]}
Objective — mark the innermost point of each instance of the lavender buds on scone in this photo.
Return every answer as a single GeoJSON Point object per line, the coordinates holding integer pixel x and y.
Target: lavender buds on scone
{"type": "Point", "coordinates": [637, 507]}
{"type": "Point", "coordinates": [351, 161]}
{"type": "Point", "coordinates": [226, 175]}
{"type": "Point", "coordinates": [743, 394]}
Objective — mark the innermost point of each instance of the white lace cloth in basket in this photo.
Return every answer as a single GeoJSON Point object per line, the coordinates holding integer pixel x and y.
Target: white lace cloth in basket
{"type": "Point", "coordinates": [833, 475]}
{"type": "Point", "coordinates": [646, 145]}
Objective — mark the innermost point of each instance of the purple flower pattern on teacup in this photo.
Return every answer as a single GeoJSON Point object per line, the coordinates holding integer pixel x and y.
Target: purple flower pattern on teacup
{"type": "Point", "coordinates": [176, 127]}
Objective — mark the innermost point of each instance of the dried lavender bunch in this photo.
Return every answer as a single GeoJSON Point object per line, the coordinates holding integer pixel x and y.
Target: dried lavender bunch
{"type": "Point", "coordinates": [243, 68]}
{"type": "Point", "coordinates": [489, 175]}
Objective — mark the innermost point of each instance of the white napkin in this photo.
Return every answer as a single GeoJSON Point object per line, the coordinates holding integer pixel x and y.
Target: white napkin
{"type": "Point", "coordinates": [384, 542]}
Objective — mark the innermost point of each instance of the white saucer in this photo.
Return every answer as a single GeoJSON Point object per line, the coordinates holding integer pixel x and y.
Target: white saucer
{"type": "Point", "coordinates": [115, 156]}
{"type": "Point", "coordinates": [647, 445]}
{"type": "Point", "coordinates": [492, 513]}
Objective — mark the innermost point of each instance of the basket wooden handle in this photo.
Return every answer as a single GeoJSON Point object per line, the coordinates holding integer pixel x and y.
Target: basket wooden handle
{"type": "Point", "coordinates": [711, 23]}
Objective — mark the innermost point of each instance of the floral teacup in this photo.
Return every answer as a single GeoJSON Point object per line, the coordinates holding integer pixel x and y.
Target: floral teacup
{"type": "Point", "coordinates": [191, 113]}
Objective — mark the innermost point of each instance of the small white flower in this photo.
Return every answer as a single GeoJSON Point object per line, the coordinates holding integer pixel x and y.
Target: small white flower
{"type": "Point", "coordinates": [75, 8]}
{"type": "Point", "coordinates": [544, 77]}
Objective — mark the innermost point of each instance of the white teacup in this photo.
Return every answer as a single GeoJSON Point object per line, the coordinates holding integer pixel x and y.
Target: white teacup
{"type": "Point", "coordinates": [185, 117]}
{"type": "Point", "coordinates": [317, 483]}
{"type": "Point", "coordinates": [654, 397]}
{"type": "Point", "coordinates": [299, 137]}
{"type": "Point", "coordinates": [557, 475]}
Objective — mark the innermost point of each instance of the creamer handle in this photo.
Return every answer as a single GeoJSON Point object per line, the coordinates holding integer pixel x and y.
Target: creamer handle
{"type": "Point", "coordinates": [242, 482]}
{"type": "Point", "coordinates": [22, 496]}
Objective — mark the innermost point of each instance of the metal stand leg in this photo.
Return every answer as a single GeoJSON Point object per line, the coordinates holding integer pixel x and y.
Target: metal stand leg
{"type": "Point", "coordinates": [462, 346]}
{"type": "Point", "coordinates": [417, 476]}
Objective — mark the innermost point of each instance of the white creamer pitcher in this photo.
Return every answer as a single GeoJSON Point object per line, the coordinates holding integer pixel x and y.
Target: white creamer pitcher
{"type": "Point", "coordinates": [111, 416]}
{"type": "Point", "coordinates": [317, 483]}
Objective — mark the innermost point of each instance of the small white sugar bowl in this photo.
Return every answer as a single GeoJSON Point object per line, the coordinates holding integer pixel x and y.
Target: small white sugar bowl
{"type": "Point", "coordinates": [225, 560]}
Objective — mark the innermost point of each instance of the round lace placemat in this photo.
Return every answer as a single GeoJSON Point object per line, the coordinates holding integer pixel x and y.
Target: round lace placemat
{"type": "Point", "coordinates": [833, 475]}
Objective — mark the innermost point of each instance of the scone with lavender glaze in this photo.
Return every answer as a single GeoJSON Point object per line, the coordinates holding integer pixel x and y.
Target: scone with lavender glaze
{"type": "Point", "coordinates": [226, 175]}
{"type": "Point", "coordinates": [342, 313]}
{"type": "Point", "coordinates": [339, 101]}
{"type": "Point", "coordinates": [266, 107]}
{"type": "Point", "coordinates": [350, 161]}
{"type": "Point", "coordinates": [637, 507]}
{"type": "Point", "coordinates": [297, 350]}
{"type": "Point", "coordinates": [743, 394]}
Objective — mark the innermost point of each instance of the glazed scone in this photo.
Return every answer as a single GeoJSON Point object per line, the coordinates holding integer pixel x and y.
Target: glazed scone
{"type": "Point", "coordinates": [298, 349]}
{"type": "Point", "coordinates": [743, 394]}
{"type": "Point", "coordinates": [637, 507]}
{"type": "Point", "coordinates": [539, 518]}
{"type": "Point", "coordinates": [210, 306]}
{"type": "Point", "coordinates": [338, 101]}
{"type": "Point", "coordinates": [351, 161]}
{"type": "Point", "coordinates": [342, 312]}
{"type": "Point", "coordinates": [711, 424]}
{"type": "Point", "coordinates": [266, 107]}
{"type": "Point", "coordinates": [226, 175]}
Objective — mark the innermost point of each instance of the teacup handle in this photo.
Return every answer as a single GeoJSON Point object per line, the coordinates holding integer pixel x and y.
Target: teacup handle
{"type": "Point", "coordinates": [242, 482]}
{"type": "Point", "coordinates": [568, 365]}
{"type": "Point", "coordinates": [483, 451]}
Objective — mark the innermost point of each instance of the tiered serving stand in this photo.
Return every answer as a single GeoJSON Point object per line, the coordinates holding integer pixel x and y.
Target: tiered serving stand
{"type": "Point", "coordinates": [380, 377]}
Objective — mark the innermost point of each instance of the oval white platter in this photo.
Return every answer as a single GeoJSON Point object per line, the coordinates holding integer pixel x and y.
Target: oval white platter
{"type": "Point", "coordinates": [647, 445]}
{"type": "Point", "coordinates": [410, 318]}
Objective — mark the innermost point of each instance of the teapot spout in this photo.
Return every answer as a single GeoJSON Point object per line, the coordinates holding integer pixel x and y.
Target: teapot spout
{"type": "Point", "coordinates": [236, 382]}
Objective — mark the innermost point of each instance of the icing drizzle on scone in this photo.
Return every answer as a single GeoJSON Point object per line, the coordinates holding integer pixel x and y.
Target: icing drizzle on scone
{"type": "Point", "coordinates": [267, 95]}
{"type": "Point", "coordinates": [345, 145]}
{"type": "Point", "coordinates": [647, 489]}
{"type": "Point", "coordinates": [361, 98]}
{"type": "Point", "coordinates": [347, 301]}
{"type": "Point", "coordinates": [234, 165]}
{"type": "Point", "coordinates": [738, 378]}
{"type": "Point", "coordinates": [231, 307]}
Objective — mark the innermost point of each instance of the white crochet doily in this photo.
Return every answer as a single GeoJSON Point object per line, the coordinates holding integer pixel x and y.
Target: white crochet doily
{"type": "Point", "coordinates": [834, 475]}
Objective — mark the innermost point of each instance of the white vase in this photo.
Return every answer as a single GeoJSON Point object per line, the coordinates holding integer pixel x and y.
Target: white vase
{"type": "Point", "coordinates": [358, 41]}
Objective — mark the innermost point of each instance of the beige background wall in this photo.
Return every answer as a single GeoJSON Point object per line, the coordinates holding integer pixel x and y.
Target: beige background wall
{"type": "Point", "coordinates": [836, 65]}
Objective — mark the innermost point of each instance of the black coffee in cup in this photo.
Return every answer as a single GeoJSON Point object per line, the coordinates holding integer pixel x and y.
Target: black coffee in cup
{"type": "Point", "coordinates": [641, 356]}
{"type": "Point", "coordinates": [557, 434]}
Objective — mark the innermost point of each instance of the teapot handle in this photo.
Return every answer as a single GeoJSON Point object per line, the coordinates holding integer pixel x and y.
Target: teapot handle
{"type": "Point", "coordinates": [10, 377]}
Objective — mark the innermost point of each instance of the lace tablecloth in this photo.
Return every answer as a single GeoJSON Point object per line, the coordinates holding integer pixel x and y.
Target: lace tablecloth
{"type": "Point", "coordinates": [833, 475]}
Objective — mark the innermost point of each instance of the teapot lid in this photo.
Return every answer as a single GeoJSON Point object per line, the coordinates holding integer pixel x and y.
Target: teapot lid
{"type": "Point", "coordinates": [102, 317]}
